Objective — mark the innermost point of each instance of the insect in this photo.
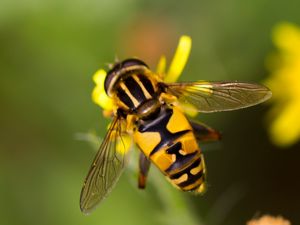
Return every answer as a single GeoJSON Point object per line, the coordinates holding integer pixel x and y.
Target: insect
{"type": "Point", "coordinates": [152, 112]}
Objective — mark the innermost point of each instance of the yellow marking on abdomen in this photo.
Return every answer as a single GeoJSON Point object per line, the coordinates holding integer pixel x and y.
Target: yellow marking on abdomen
{"type": "Point", "coordinates": [189, 143]}
{"type": "Point", "coordinates": [181, 179]}
{"type": "Point", "coordinates": [178, 122]}
{"type": "Point", "coordinates": [196, 170]}
{"type": "Point", "coordinates": [147, 141]}
{"type": "Point", "coordinates": [193, 185]}
{"type": "Point", "coordinates": [162, 160]}
{"type": "Point", "coordinates": [202, 188]}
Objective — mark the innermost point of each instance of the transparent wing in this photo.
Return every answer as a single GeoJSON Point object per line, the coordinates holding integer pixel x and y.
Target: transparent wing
{"type": "Point", "coordinates": [105, 169]}
{"type": "Point", "coordinates": [219, 96]}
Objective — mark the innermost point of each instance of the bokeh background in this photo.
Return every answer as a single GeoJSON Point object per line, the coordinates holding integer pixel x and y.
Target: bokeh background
{"type": "Point", "coordinates": [48, 53]}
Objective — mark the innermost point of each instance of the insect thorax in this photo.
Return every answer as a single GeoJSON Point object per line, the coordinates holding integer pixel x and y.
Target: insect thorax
{"type": "Point", "coordinates": [134, 87]}
{"type": "Point", "coordinates": [138, 94]}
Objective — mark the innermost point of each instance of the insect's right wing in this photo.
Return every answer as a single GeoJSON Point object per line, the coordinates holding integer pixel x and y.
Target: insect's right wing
{"type": "Point", "coordinates": [105, 169]}
{"type": "Point", "coordinates": [218, 96]}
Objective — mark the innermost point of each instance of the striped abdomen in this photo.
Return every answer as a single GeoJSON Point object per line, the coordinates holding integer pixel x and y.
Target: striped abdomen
{"type": "Point", "coordinates": [169, 142]}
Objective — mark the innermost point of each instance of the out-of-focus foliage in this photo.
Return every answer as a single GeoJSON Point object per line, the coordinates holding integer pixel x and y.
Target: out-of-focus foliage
{"type": "Point", "coordinates": [48, 53]}
{"type": "Point", "coordinates": [285, 85]}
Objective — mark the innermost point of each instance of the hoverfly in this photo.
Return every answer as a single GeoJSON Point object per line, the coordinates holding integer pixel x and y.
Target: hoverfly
{"type": "Point", "coordinates": [151, 112]}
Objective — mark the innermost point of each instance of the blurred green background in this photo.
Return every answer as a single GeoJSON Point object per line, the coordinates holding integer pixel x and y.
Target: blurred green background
{"type": "Point", "coordinates": [48, 53]}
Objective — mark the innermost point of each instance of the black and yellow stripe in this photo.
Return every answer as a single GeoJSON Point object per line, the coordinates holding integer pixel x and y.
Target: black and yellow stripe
{"type": "Point", "coordinates": [134, 90]}
{"type": "Point", "coordinates": [173, 148]}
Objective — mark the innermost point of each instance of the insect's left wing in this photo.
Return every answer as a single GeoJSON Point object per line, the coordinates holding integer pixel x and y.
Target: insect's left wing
{"type": "Point", "coordinates": [219, 96]}
{"type": "Point", "coordinates": [106, 168]}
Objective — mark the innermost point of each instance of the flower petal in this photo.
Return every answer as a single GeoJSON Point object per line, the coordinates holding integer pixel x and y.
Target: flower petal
{"type": "Point", "coordinates": [99, 95]}
{"type": "Point", "coordinates": [99, 77]}
{"type": "Point", "coordinates": [124, 144]}
{"type": "Point", "coordinates": [284, 82]}
{"type": "Point", "coordinates": [285, 130]}
{"type": "Point", "coordinates": [161, 66]}
{"type": "Point", "coordinates": [287, 37]}
{"type": "Point", "coordinates": [180, 58]}
{"type": "Point", "coordinates": [100, 98]}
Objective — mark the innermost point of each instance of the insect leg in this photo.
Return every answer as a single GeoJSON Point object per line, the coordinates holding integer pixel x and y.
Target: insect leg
{"type": "Point", "coordinates": [144, 166]}
{"type": "Point", "coordinates": [204, 133]}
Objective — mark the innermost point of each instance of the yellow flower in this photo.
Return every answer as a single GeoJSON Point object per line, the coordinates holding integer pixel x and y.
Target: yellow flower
{"type": "Point", "coordinates": [177, 65]}
{"type": "Point", "coordinates": [99, 95]}
{"type": "Point", "coordinates": [179, 60]}
{"type": "Point", "coordinates": [285, 85]}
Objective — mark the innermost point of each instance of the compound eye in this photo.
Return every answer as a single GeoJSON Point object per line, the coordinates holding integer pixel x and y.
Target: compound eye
{"type": "Point", "coordinates": [133, 62]}
{"type": "Point", "coordinates": [111, 75]}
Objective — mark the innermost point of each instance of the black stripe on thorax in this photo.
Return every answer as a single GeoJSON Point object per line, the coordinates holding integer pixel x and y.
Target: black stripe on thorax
{"type": "Point", "coordinates": [147, 84]}
{"type": "Point", "coordinates": [124, 98]}
{"type": "Point", "coordinates": [135, 89]}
